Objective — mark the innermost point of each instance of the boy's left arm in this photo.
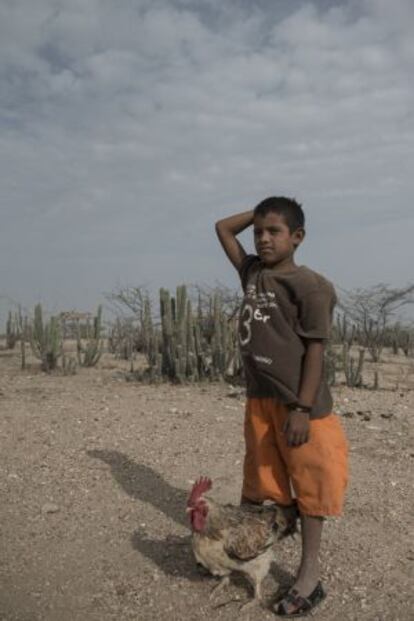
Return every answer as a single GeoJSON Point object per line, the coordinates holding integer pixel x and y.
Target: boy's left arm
{"type": "Point", "coordinates": [297, 424]}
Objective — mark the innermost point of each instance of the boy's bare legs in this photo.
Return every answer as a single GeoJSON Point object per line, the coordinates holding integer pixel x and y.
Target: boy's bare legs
{"type": "Point", "coordinates": [308, 573]}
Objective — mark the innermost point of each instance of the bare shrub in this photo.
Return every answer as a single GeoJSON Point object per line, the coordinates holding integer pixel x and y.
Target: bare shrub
{"type": "Point", "coordinates": [371, 310]}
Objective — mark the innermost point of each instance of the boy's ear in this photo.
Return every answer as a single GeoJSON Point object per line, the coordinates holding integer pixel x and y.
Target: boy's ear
{"type": "Point", "coordinates": [298, 236]}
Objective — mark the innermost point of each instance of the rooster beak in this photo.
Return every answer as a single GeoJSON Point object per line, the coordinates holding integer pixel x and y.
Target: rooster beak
{"type": "Point", "coordinates": [188, 510]}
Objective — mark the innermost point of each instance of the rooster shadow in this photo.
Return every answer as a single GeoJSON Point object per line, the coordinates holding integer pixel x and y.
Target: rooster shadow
{"type": "Point", "coordinates": [173, 554]}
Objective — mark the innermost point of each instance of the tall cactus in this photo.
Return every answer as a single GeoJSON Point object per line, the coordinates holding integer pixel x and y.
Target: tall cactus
{"type": "Point", "coordinates": [180, 328]}
{"type": "Point", "coordinates": [352, 368]}
{"type": "Point", "coordinates": [174, 321]}
{"type": "Point", "coordinates": [90, 352]}
{"type": "Point", "coordinates": [226, 359]}
{"type": "Point", "coordinates": [200, 350]}
{"type": "Point", "coordinates": [146, 325]}
{"type": "Point", "coordinates": [46, 340]}
{"type": "Point", "coordinates": [167, 365]}
{"type": "Point", "coordinates": [218, 362]}
{"type": "Point", "coordinates": [330, 362]}
{"type": "Point", "coordinates": [192, 346]}
{"type": "Point", "coordinates": [154, 372]}
{"type": "Point", "coordinates": [191, 362]}
{"type": "Point", "coordinates": [24, 334]}
{"type": "Point", "coordinates": [12, 330]}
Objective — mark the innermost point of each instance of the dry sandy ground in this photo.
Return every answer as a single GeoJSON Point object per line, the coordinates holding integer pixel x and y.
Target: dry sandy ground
{"type": "Point", "coordinates": [94, 474]}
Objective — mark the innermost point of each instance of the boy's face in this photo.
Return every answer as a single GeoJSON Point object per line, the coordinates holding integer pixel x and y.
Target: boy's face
{"type": "Point", "coordinates": [273, 240]}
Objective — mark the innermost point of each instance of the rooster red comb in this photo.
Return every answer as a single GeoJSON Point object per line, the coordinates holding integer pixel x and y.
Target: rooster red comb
{"type": "Point", "coordinates": [199, 488]}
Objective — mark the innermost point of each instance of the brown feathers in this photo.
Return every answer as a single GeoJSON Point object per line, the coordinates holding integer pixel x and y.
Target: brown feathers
{"type": "Point", "coordinates": [227, 538]}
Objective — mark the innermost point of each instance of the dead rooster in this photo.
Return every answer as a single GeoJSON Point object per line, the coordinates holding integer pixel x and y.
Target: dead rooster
{"type": "Point", "coordinates": [230, 539]}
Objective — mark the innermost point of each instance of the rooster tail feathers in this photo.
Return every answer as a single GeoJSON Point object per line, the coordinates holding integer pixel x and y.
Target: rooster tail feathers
{"type": "Point", "coordinates": [285, 522]}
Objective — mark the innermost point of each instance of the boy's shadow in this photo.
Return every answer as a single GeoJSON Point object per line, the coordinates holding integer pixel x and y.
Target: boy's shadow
{"type": "Point", "coordinates": [142, 482]}
{"type": "Point", "coordinates": [173, 555]}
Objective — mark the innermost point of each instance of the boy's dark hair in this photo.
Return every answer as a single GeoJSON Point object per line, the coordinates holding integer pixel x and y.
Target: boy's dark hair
{"type": "Point", "coordinates": [286, 207]}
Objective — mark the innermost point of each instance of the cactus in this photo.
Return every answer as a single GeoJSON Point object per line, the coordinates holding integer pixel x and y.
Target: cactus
{"type": "Point", "coordinates": [330, 365]}
{"type": "Point", "coordinates": [24, 335]}
{"type": "Point", "coordinates": [90, 353]}
{"type": "Point", "coordinates": [154, 357]}
{"type": "Point", "coordinates": [218, 336]}
{"type": "Point", "coordinates": [200, 351]}
{"type": "Point", "coordinates": [190, 346]}
{"type": "Point", "coordinates": [352, 368]}
{"type": "Point", "coordinates": [12, 330]}
{"type": "Point", "coordinates": [192, 367]}
{"type": "Point", "coordinates": [180, 332]}
{"type": "Point", "coordinates": [168, 358]}
{"type": "Point", "coordinates": [46, 340]}
{"type": "Point", "coordinates": [146, 326]}
{"type": "Point", "coordinates": [175, 328]}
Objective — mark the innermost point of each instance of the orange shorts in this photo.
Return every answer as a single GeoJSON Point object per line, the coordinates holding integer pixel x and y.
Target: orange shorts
{"type": "Point", "coordinates": [316, 473]}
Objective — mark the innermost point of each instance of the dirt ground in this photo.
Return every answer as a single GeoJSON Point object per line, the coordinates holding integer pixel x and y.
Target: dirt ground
{"type": "Point", "coordinates": [94, 475]}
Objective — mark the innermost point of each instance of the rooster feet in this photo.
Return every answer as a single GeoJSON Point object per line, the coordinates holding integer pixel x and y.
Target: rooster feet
{"type": "Point", "coordinates": [257, 600]}
{"type": "Point", "coordinates": [224, 582]}
{"type": "Point", "coordinates": [249, 605]}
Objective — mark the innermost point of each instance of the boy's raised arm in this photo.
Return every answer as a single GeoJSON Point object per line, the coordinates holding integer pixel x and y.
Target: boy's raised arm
{"type": "Point", "coordinates": [227, 230]}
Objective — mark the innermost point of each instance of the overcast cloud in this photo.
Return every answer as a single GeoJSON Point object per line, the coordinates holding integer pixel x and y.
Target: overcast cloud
{"type": "Point", "coordinates": [127, 128]}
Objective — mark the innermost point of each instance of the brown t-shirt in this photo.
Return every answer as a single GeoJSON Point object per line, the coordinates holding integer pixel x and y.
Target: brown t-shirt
{"type": "Point", "coordinates": [279, 312]}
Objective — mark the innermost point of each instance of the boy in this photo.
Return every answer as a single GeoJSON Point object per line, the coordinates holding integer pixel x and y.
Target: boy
{"type": "Point", "coordinates": [292, 438]}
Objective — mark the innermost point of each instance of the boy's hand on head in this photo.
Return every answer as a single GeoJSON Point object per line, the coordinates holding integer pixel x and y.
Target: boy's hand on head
{"type": "Point", "coordinates": [296, 428]}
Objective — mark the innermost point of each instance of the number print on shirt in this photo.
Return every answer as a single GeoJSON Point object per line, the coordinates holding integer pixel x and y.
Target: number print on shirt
{"type": "Point", "coordinates": [246, 319]}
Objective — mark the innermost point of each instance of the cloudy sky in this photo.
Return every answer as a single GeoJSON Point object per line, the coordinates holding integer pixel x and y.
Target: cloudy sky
{"type": "Point", "coordinates": [128, 127]}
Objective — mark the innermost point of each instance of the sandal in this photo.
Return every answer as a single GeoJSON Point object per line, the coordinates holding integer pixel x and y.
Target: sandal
{"type": "Point", "coordinates": [302, 605]}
